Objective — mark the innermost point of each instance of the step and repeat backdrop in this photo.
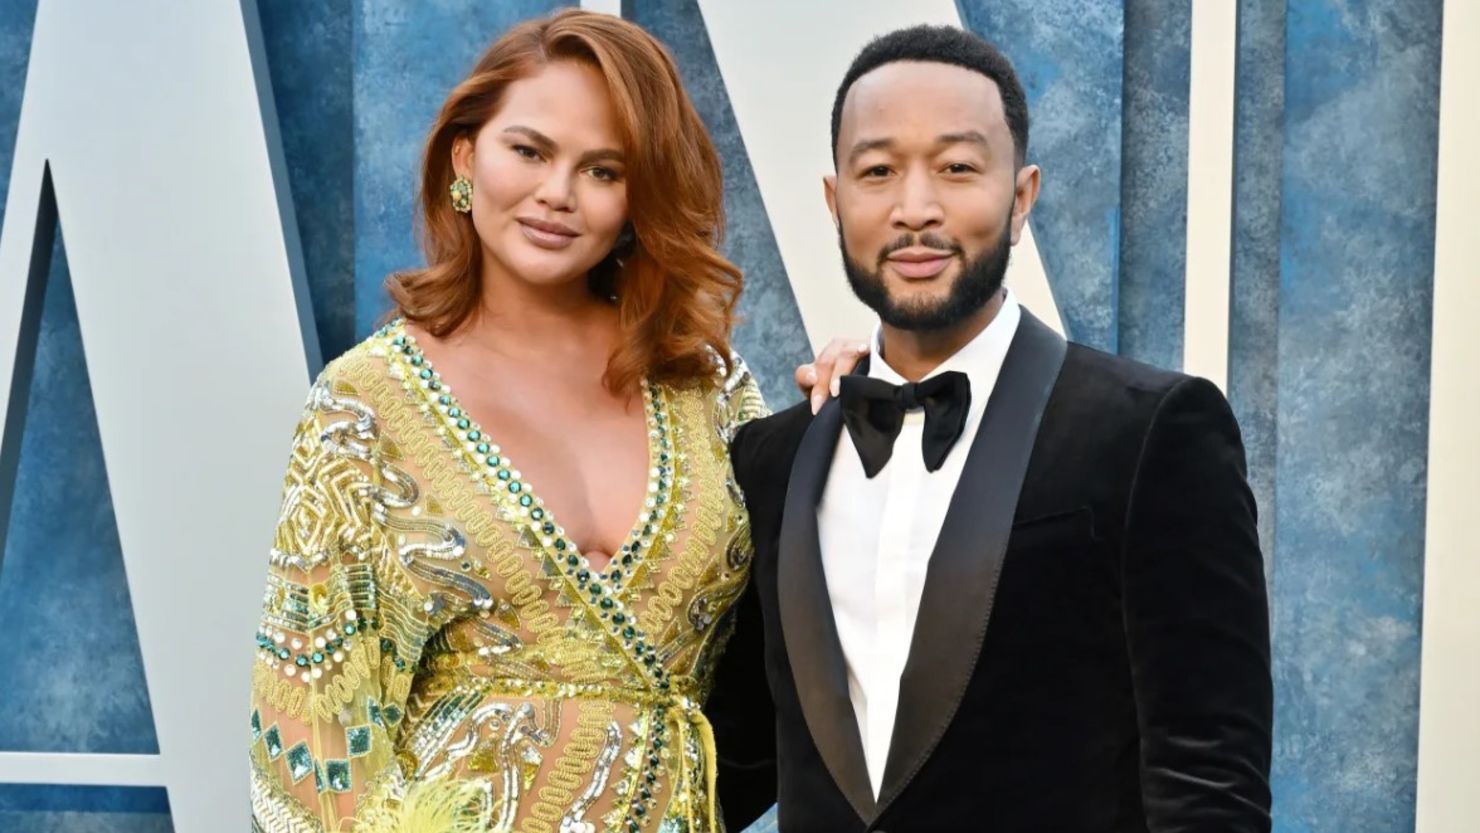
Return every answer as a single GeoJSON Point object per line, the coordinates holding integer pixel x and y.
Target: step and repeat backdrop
{"type": "Point", "coordinates": [199, 202]}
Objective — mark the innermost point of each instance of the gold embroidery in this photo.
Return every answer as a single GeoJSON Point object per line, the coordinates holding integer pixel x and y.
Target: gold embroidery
{"type": "Point", "coordinates": [571, 768]}
{"type": "Point", "coordinates": [275, 811]}
{"type": "Point", "coordinates": [456, 632]}
{"type": "Point", "coordinates": [705, 516]}
{"type": "Point", "coordinates": [428, 452]}
{"type": "Point", "coordinates": [295, 700]}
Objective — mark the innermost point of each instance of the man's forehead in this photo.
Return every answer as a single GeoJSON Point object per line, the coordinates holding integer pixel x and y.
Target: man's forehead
{"type": "Point", "coordinates": [938, 92]}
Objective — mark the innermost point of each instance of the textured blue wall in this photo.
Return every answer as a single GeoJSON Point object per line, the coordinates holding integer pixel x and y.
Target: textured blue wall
{"type": "Point", "coordinates": [55, 809]}
{"type": "Point", "coordinates": [406, 57]}
{"type": "Point", "coordinates": [16, 19]}
{"type": "Point", "coordinates": [309, 62]}
{"type": "Point", "coordinates": [1153, 185]}
{"type": "Point", "coordinates": [1069, 55]}
{"type": "Point", "coordinates": [771, 336]}
{"type": "Point", "coordinates": [1335, 137]}
{"type": "Point", "coordinates": [1253, 386]}
{"type": "Point", "coordinates": [1356, 261]}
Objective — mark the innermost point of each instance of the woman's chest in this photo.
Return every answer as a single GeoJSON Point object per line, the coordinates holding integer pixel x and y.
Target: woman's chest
{"type": "Point", "coordinates": [593, 464]}
{"type": "Point", "coordinates": [491, 548]}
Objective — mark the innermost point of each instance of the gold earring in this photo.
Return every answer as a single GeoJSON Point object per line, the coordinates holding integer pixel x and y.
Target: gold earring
{"type": "Point", "coordinates": [462, 195]}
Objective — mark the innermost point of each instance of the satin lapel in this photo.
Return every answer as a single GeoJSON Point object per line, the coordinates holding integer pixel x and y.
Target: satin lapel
{"type": "Point", "coordinates": [961, 580]}
{"type": "Point", "coordinates": [812, 647]}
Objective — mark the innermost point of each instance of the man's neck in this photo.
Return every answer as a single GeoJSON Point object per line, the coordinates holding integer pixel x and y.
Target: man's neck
{"type": "Point", "coordinates": [914, 353]}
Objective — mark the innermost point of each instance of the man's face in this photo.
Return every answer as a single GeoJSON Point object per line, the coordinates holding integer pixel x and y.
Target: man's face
{"type": "Point", "coordinates": [928, 197]}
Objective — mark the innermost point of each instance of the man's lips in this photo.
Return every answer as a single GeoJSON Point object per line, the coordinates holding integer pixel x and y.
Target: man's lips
{"type": "Point", "coordinates": [917, 263]}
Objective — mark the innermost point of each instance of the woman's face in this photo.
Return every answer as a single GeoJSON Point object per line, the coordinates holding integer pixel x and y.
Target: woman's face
{"type": "Point", "coordinates": [549, 182]}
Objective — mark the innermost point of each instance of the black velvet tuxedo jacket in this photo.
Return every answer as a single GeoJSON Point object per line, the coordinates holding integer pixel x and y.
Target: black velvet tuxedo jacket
{"type": "Point", "coordinates": [1092, 648]}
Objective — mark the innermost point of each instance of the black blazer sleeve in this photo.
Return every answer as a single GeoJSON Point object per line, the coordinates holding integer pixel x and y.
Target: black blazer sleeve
{"type": "Point", "coordinates": [739, 706]}
{"type": "Point", "coordinates": [1197, 621]}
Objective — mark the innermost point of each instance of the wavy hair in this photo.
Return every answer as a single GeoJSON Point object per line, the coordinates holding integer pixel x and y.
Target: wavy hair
{"type": "Point", "coordinates": [674, 291]}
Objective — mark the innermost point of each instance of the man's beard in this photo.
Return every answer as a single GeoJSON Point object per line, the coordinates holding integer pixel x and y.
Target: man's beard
{"type": "Point", "coordinates": [979, 280]}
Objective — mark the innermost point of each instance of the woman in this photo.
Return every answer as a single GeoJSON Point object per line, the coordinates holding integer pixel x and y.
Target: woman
{"type": "Point", "coordinates": [453, 640]}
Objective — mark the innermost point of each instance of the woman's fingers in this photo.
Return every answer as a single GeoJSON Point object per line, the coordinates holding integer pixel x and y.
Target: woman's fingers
{"type": "Point", "coordinates": [819, 378]}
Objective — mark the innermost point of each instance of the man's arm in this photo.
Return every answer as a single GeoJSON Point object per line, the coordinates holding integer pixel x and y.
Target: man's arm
{"type": "Point", "coordinates": [739, 706]}
{"type": "Point", "coordinates": [1197, 621]}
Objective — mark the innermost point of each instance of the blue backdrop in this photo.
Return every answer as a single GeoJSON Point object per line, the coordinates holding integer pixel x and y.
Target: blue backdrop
{"type": "Point", "coordinates": [1335, 146]}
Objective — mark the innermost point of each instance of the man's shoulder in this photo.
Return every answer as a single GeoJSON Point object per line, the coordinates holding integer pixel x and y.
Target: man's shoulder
{"type": "Point", "coordinates": [1111, 395]}
{"type": "Point", "coordinates": [1108, 372]}
{"type": "Point", "coordinates": [763, 448]}
{"type": "Point", "coordinates": [769, 434]}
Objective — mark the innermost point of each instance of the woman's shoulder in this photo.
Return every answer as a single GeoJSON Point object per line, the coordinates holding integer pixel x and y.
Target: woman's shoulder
{"type": "Point", "coordinates": [738, 396]}
{"type": "Point", "coordinates": [358, 371]}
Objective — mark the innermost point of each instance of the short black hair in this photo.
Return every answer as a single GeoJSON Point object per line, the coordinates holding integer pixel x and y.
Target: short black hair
{"type": "Point", "coordinates": [942, 45]}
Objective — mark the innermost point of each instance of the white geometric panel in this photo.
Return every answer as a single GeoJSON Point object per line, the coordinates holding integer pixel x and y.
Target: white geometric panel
{"type": "Point", "coordinates": [1213, 59]}
{"type": "Point", "coordinates": [179, 244]}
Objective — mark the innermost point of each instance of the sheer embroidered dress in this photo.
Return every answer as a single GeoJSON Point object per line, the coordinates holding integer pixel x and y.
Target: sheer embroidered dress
{"type": "Point", "coordinates": [434, 654]}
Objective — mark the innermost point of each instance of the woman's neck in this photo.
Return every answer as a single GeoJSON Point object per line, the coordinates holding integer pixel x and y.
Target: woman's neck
{"type": "Point", "coordinates": [554, 325]}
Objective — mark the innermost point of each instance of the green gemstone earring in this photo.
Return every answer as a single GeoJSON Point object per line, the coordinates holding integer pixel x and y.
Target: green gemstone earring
{"type": "Point", "coordinates": [462, 195]}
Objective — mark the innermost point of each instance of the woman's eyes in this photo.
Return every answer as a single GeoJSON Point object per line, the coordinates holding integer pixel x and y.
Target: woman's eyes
{"type": "Point", "coordinates": [598, 172]}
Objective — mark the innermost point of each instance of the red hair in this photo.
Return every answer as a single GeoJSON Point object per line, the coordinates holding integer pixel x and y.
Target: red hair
{"type": "Point", "coordinates": [675, 292]}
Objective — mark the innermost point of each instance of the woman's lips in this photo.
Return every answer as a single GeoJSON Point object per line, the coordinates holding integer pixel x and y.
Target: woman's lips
{"type": "Point", "coordinates": [546, 235]}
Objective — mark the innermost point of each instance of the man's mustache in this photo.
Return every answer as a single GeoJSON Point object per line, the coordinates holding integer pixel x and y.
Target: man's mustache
{"type": "Point", "coordinates": [926, 239]}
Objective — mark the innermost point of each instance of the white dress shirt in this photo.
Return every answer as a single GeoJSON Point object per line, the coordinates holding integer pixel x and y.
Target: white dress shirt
{"type": "Point", "coordinates": [877, 536]}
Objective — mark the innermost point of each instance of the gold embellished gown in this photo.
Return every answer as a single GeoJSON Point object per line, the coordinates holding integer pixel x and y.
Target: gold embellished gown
{"type": "Point", "coordinates": [434, 654]}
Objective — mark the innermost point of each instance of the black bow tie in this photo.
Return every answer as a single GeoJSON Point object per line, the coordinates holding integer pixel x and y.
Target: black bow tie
{"type": "Point", "coordinates": [874, 410]}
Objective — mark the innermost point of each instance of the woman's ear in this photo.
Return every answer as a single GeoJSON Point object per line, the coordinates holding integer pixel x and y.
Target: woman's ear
{"type": "Point", "coordinates": [462, 156]}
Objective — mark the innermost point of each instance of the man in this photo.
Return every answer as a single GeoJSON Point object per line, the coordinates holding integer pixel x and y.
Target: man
{"type": "Point", "coordinates": [1007, 583]}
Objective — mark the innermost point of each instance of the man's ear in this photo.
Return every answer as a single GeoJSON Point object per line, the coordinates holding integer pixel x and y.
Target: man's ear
{"type": "Point", "coordinates": [830, 193]}
{"type": "Point", "coordinates": [1025, 194]}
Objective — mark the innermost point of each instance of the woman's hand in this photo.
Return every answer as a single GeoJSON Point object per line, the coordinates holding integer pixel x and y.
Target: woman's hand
{"type": "Point", "coordinates": [819, 379]}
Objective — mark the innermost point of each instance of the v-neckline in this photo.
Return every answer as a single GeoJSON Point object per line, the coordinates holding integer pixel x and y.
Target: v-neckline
{"type": "Point", "coordinates": [511, 493]}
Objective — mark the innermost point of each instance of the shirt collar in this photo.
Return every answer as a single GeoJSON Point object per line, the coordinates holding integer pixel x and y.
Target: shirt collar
{"type": "Point", "coordinates": [980, 359]}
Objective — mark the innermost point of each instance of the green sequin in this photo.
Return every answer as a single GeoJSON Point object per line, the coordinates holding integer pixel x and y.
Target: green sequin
{"type": "Point", "coordinates": [300, 761]}
{"type": "Point", "coordinates": [357, 740]}
{"type": "Point", "coordinates": [337, 774]}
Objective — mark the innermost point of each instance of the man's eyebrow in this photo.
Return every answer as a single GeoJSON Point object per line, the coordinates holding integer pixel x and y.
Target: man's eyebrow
{"type": "Point", "coordinates": [860, 148]}
{"type": "Point", "coordinates": [974, 137]}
